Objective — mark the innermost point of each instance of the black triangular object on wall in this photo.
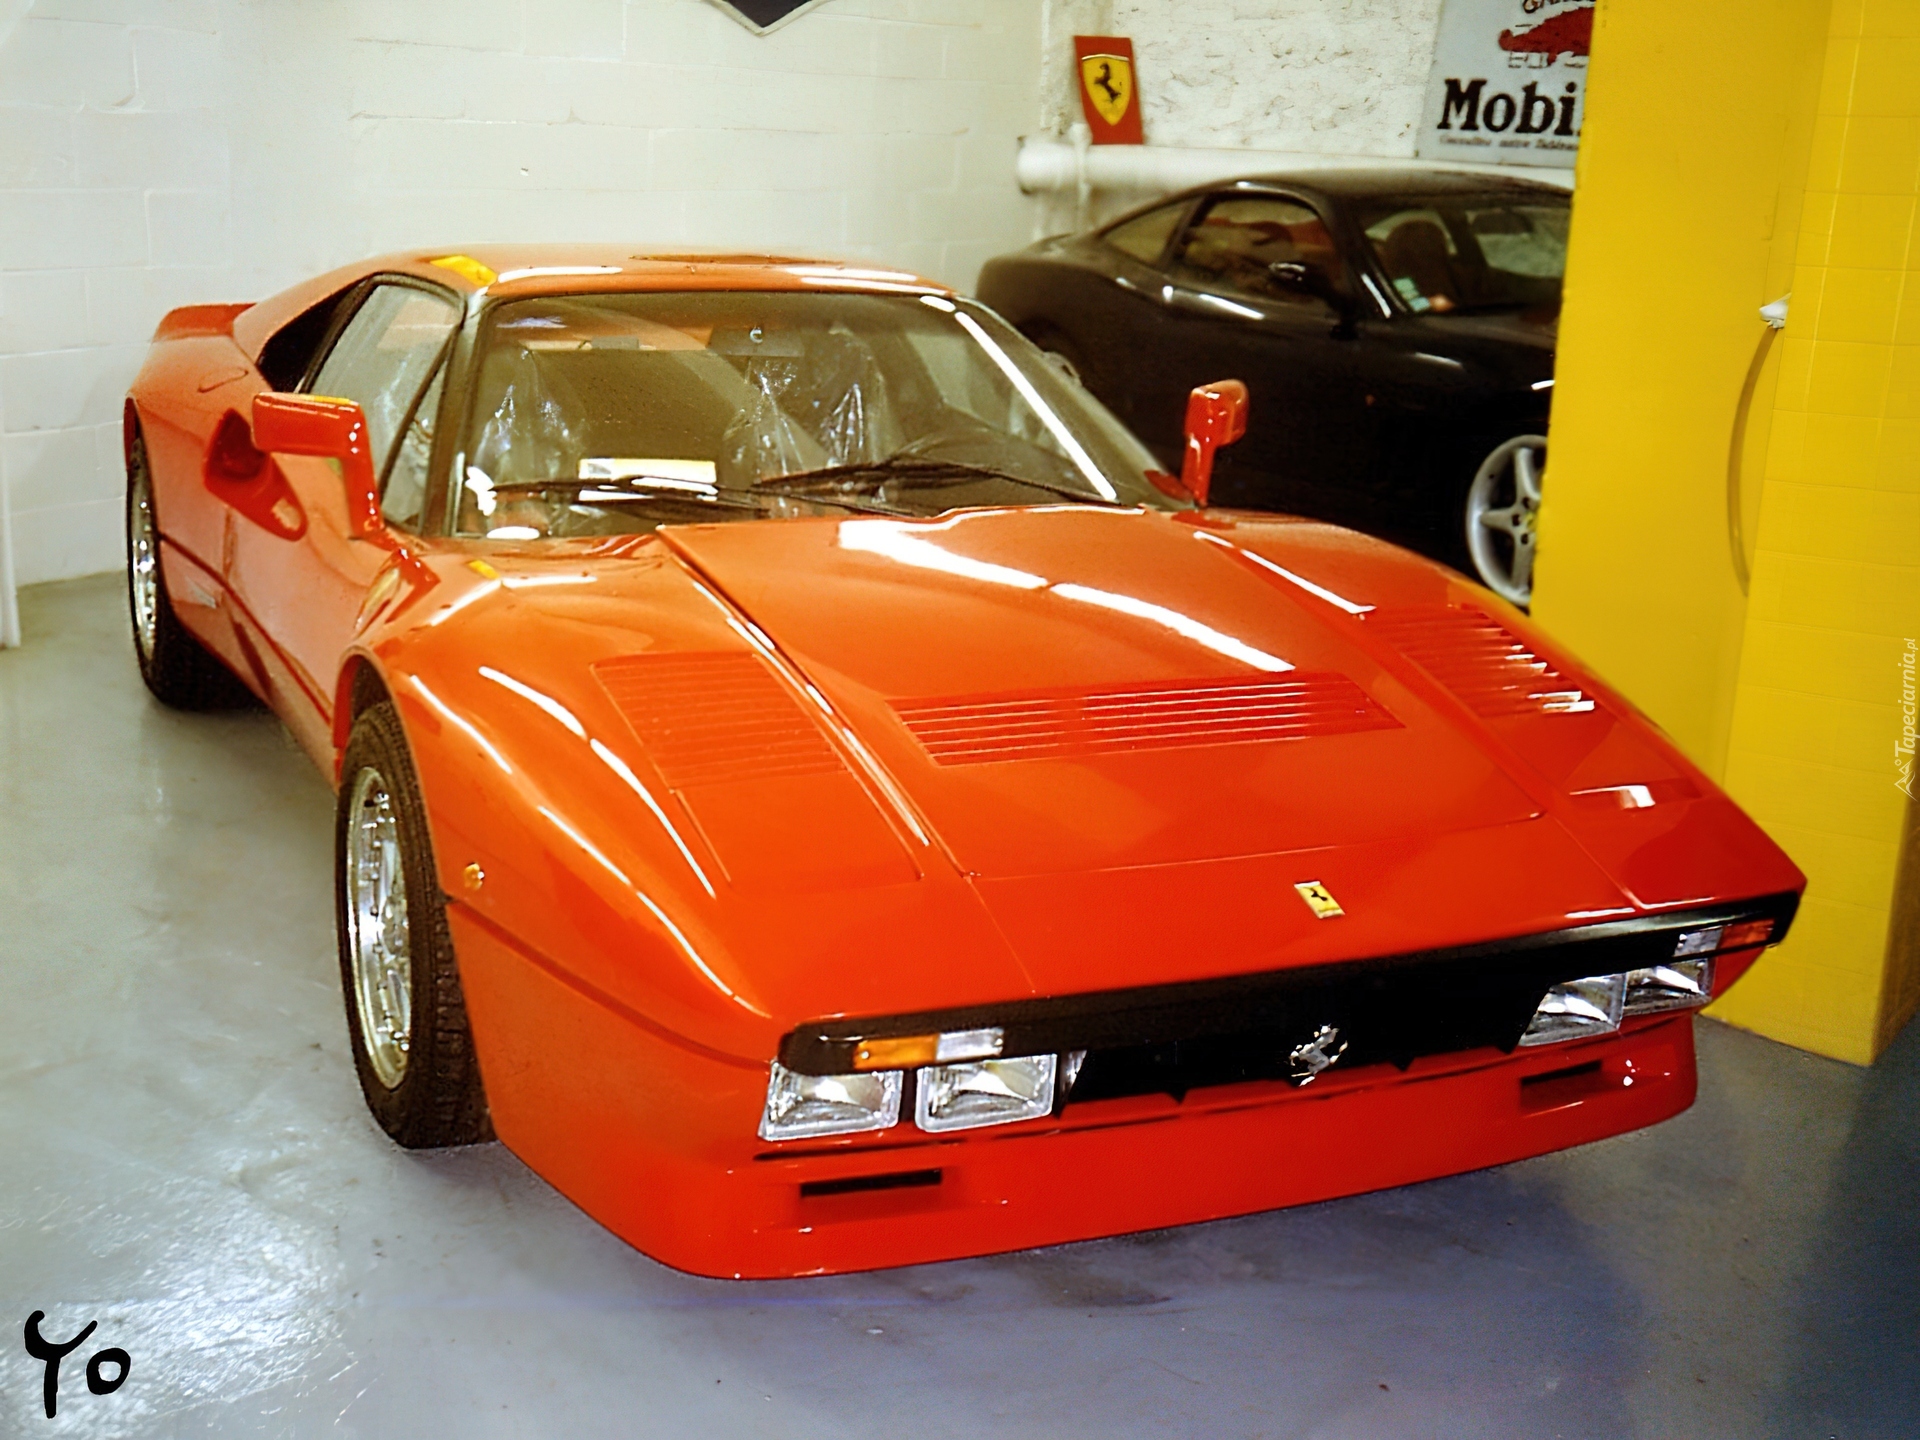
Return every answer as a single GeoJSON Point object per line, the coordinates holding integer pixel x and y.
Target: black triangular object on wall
{"type": "Point", "coordinates": [760, 16]}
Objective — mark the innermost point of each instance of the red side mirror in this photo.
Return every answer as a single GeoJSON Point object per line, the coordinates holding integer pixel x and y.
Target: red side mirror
{"type": "Point", "coordinates": [332, 430]}
{"type": "Point", "coordinates": [1216, 416]}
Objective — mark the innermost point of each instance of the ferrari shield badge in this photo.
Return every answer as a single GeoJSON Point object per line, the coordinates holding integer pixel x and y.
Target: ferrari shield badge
{"type": "Point", "coordinates": [1108, 80]}
{"type": "Point", "coordinates": [1319, 899]}
{"type": "Point", "coordinates": [1107, 90]}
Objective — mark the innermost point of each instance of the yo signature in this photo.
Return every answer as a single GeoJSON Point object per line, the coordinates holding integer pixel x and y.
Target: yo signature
{"type": "Point", "coordinates": [43, 1349]}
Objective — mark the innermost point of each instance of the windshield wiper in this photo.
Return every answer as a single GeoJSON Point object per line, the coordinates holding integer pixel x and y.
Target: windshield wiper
{"type": "Point", "coordinates": [917, 472]}
{"type": "Point", "coordinates": [637, 489]}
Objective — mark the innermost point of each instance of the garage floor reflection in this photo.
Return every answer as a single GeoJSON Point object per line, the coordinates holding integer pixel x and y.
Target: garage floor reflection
{"type": "Point", "coordinates": [187, 1161]}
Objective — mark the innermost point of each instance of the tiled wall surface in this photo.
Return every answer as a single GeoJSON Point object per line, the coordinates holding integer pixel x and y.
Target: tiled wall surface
{"type": "Point", "coordinates": [162, 152]}
{"type": "Point", "coordinates": [1836, 579]}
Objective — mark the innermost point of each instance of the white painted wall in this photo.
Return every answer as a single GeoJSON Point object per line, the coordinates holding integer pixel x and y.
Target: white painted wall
{"type": "Point", "coordinates": [155, 153]}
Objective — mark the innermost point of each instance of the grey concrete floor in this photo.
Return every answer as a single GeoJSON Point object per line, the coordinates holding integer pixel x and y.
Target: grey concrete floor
{"type": "Point", "coordinates": [184, 1158]}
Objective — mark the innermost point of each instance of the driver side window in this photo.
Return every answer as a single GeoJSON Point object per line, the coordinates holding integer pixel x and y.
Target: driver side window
{"type": "Point", "coordinates": [387, 360]}
{"type": "Point", "coordinates": [1236, 240]}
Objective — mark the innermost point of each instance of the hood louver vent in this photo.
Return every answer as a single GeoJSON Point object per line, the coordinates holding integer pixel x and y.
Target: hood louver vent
{"type": "Point", "coordinates": [706, 718]}
{"type": "Point", "coordinates": [1480, 660]}
{"type": "Point", "coordinates": [1055, 724]}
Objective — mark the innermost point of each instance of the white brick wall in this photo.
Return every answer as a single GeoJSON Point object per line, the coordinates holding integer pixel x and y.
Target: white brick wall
{"type": "Point", "coordinates": [1341, 77]}
{"type": "Point", "coordinates": [163, 152]}
{"type": "Point", "coordinates": [1319, 77]}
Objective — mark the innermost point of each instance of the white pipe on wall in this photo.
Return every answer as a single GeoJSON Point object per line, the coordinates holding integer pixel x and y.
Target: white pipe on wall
{"type": "Point", "coordinates": [1046, 165]}
{"type": "Point", "coordinates": [9, 598]}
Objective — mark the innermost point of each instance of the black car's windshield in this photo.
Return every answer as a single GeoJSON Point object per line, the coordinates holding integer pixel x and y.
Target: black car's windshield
{"type": "Point", "coordinates": [598, 414]}
{"type": "Point", "coordinates": [1477, 252]}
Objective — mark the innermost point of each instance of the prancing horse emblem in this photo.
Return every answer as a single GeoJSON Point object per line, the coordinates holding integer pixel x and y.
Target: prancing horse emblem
{"type": "Point", "coordinates": [1319, 900]}
{"type": "Point", "coordinates": [1306, 1061]}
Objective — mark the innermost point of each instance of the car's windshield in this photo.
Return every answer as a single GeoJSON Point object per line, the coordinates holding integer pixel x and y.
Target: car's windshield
{"type": "Point", "coordinates": [598, 414]}
{"type": "Point", "coordinates": [1474, 252]}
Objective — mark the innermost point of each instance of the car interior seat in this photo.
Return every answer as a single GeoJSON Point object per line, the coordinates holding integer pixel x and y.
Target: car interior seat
{"type": "Point", "coordinates": [1416, 250]}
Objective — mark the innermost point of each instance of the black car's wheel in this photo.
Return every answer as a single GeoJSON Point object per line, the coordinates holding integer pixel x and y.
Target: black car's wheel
{"type": "Point", "coordinates": [1502, 509]}
{"type": "Point", "coordinates": [178, 669]}
{"type": "Point", "coordinates": [406, 1013]}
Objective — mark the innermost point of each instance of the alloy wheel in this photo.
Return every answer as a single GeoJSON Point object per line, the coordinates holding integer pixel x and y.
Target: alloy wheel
{"type": "Point", "coordinates": [378, 935]}
{"type": "Point", "coordinates": [1503, 509]}
{"type": "Point", "coordinates": [143, 561]}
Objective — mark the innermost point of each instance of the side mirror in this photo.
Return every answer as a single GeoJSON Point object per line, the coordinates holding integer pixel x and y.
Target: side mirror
{"type": "Point", "coordinates": [330, 429]}
{"type": "Point", "coordinates": [1216, 416]}
{"type": "Point", "coordinates": [1311, 280]}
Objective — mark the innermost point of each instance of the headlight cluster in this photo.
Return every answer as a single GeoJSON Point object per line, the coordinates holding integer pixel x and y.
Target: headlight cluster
{"type": "Point", "coordinates": [1595, 1005]}
{"type": "Point", "coordinates": [970, 1085]}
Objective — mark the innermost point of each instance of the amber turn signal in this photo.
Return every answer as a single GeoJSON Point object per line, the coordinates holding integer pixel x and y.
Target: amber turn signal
{"type": "Point", "coordinates": [1746, 934]}
{"type": "Point", "coordinates": [901, 1053]}
{"type": "Point", "coordinates": [905, 1051]}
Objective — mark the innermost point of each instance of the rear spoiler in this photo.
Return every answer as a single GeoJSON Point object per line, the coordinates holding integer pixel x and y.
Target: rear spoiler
{"type": "Point", "coordinates": [198, 320]}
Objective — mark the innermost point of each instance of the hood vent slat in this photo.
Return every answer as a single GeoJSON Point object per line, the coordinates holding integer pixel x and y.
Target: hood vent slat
{"type": "Point", "coordinates": [710, 718]}
{"type": "Point", "coordinates": [1480, 660]}
{"type": "Point", "coordinates": [1059, 724]}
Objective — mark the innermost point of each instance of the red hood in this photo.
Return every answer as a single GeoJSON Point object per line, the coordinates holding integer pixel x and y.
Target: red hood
{"type": "Point", "coordinates": [1080, 689]}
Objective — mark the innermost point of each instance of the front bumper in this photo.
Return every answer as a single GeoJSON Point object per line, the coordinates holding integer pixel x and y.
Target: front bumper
{"type": "Point", "coordinates": [656, 1141]}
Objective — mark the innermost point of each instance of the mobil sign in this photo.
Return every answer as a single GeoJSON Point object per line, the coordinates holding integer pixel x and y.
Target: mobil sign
{"type": "Point", "coordinates": [1509, 78]}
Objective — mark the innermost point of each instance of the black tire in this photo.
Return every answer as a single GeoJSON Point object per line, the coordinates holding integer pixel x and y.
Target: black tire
{"type": "Point", "coordinates": [436, 1098]}
{"type": "Point", "coordinates": [179, 670]}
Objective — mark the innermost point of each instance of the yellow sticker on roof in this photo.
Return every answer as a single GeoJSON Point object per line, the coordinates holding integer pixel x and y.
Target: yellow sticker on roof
{"type": "Point", "coordinates": [467, 268]}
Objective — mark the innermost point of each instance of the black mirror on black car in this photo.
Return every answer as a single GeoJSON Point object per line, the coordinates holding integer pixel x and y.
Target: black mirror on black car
{"type": "Point", "coordinates": [1311, 280]}
{"type": "Point", "coordinates": [1307, 279]}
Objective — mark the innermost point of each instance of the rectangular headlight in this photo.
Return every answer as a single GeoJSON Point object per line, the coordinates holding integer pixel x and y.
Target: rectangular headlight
{"type": "Point", "coordinates": [1575, 1009]}
{"type": "Point", "coordinates": [1699, 942]}
{"type": "Point", "coordinates": [802, 1106]}
{"type": "Point", "coordinates": [1677, 985]}
{"type": "Point", "coordinates": [986, 1092]}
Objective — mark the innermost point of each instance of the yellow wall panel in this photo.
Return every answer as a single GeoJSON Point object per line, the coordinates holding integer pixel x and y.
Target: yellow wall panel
{"type": "Point", "coordinates": [1849, 869]}
{"type": "Point", "coordinates": [1896, 461]}
{"type": "Point", "coordinates": [1792, 695]}
{"type": "Point", "coordinates": [1652, 357]}
{"type": "Point", "coordinates": [1830, 594]}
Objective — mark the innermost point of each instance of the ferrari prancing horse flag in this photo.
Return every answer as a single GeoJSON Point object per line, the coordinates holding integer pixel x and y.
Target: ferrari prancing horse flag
{"type": "Point", "coordinates": [1108, 93]}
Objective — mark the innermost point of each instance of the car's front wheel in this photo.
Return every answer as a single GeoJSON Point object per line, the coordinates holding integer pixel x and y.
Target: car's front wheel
{"type": "Point", "coordinates": [406, 1012]}
{"type": "Point", "coordinates": [1502, 511]}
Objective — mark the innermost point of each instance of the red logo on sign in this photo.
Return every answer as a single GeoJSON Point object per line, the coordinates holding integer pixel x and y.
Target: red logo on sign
{"type": "Point", "coordinates": [1568, 33]}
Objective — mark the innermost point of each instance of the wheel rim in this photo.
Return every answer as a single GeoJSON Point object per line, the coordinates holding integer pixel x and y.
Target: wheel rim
{"type": "Point", "coordinates": [1503, 510]}
{"type": "Point", "coordinates": [143, 561]}
{"type": "Point", "coordinates": [377, 927]}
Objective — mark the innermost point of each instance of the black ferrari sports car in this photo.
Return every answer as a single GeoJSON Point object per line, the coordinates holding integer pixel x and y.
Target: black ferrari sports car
{"type": "Point", "coordinates": [1395, 328]}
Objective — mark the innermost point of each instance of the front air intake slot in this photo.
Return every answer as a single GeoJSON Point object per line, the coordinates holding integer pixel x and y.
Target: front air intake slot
{"type": "Point", "coordinates": [865, 1184]}
{"type": "Point", "coordinates": [1053, 724]}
